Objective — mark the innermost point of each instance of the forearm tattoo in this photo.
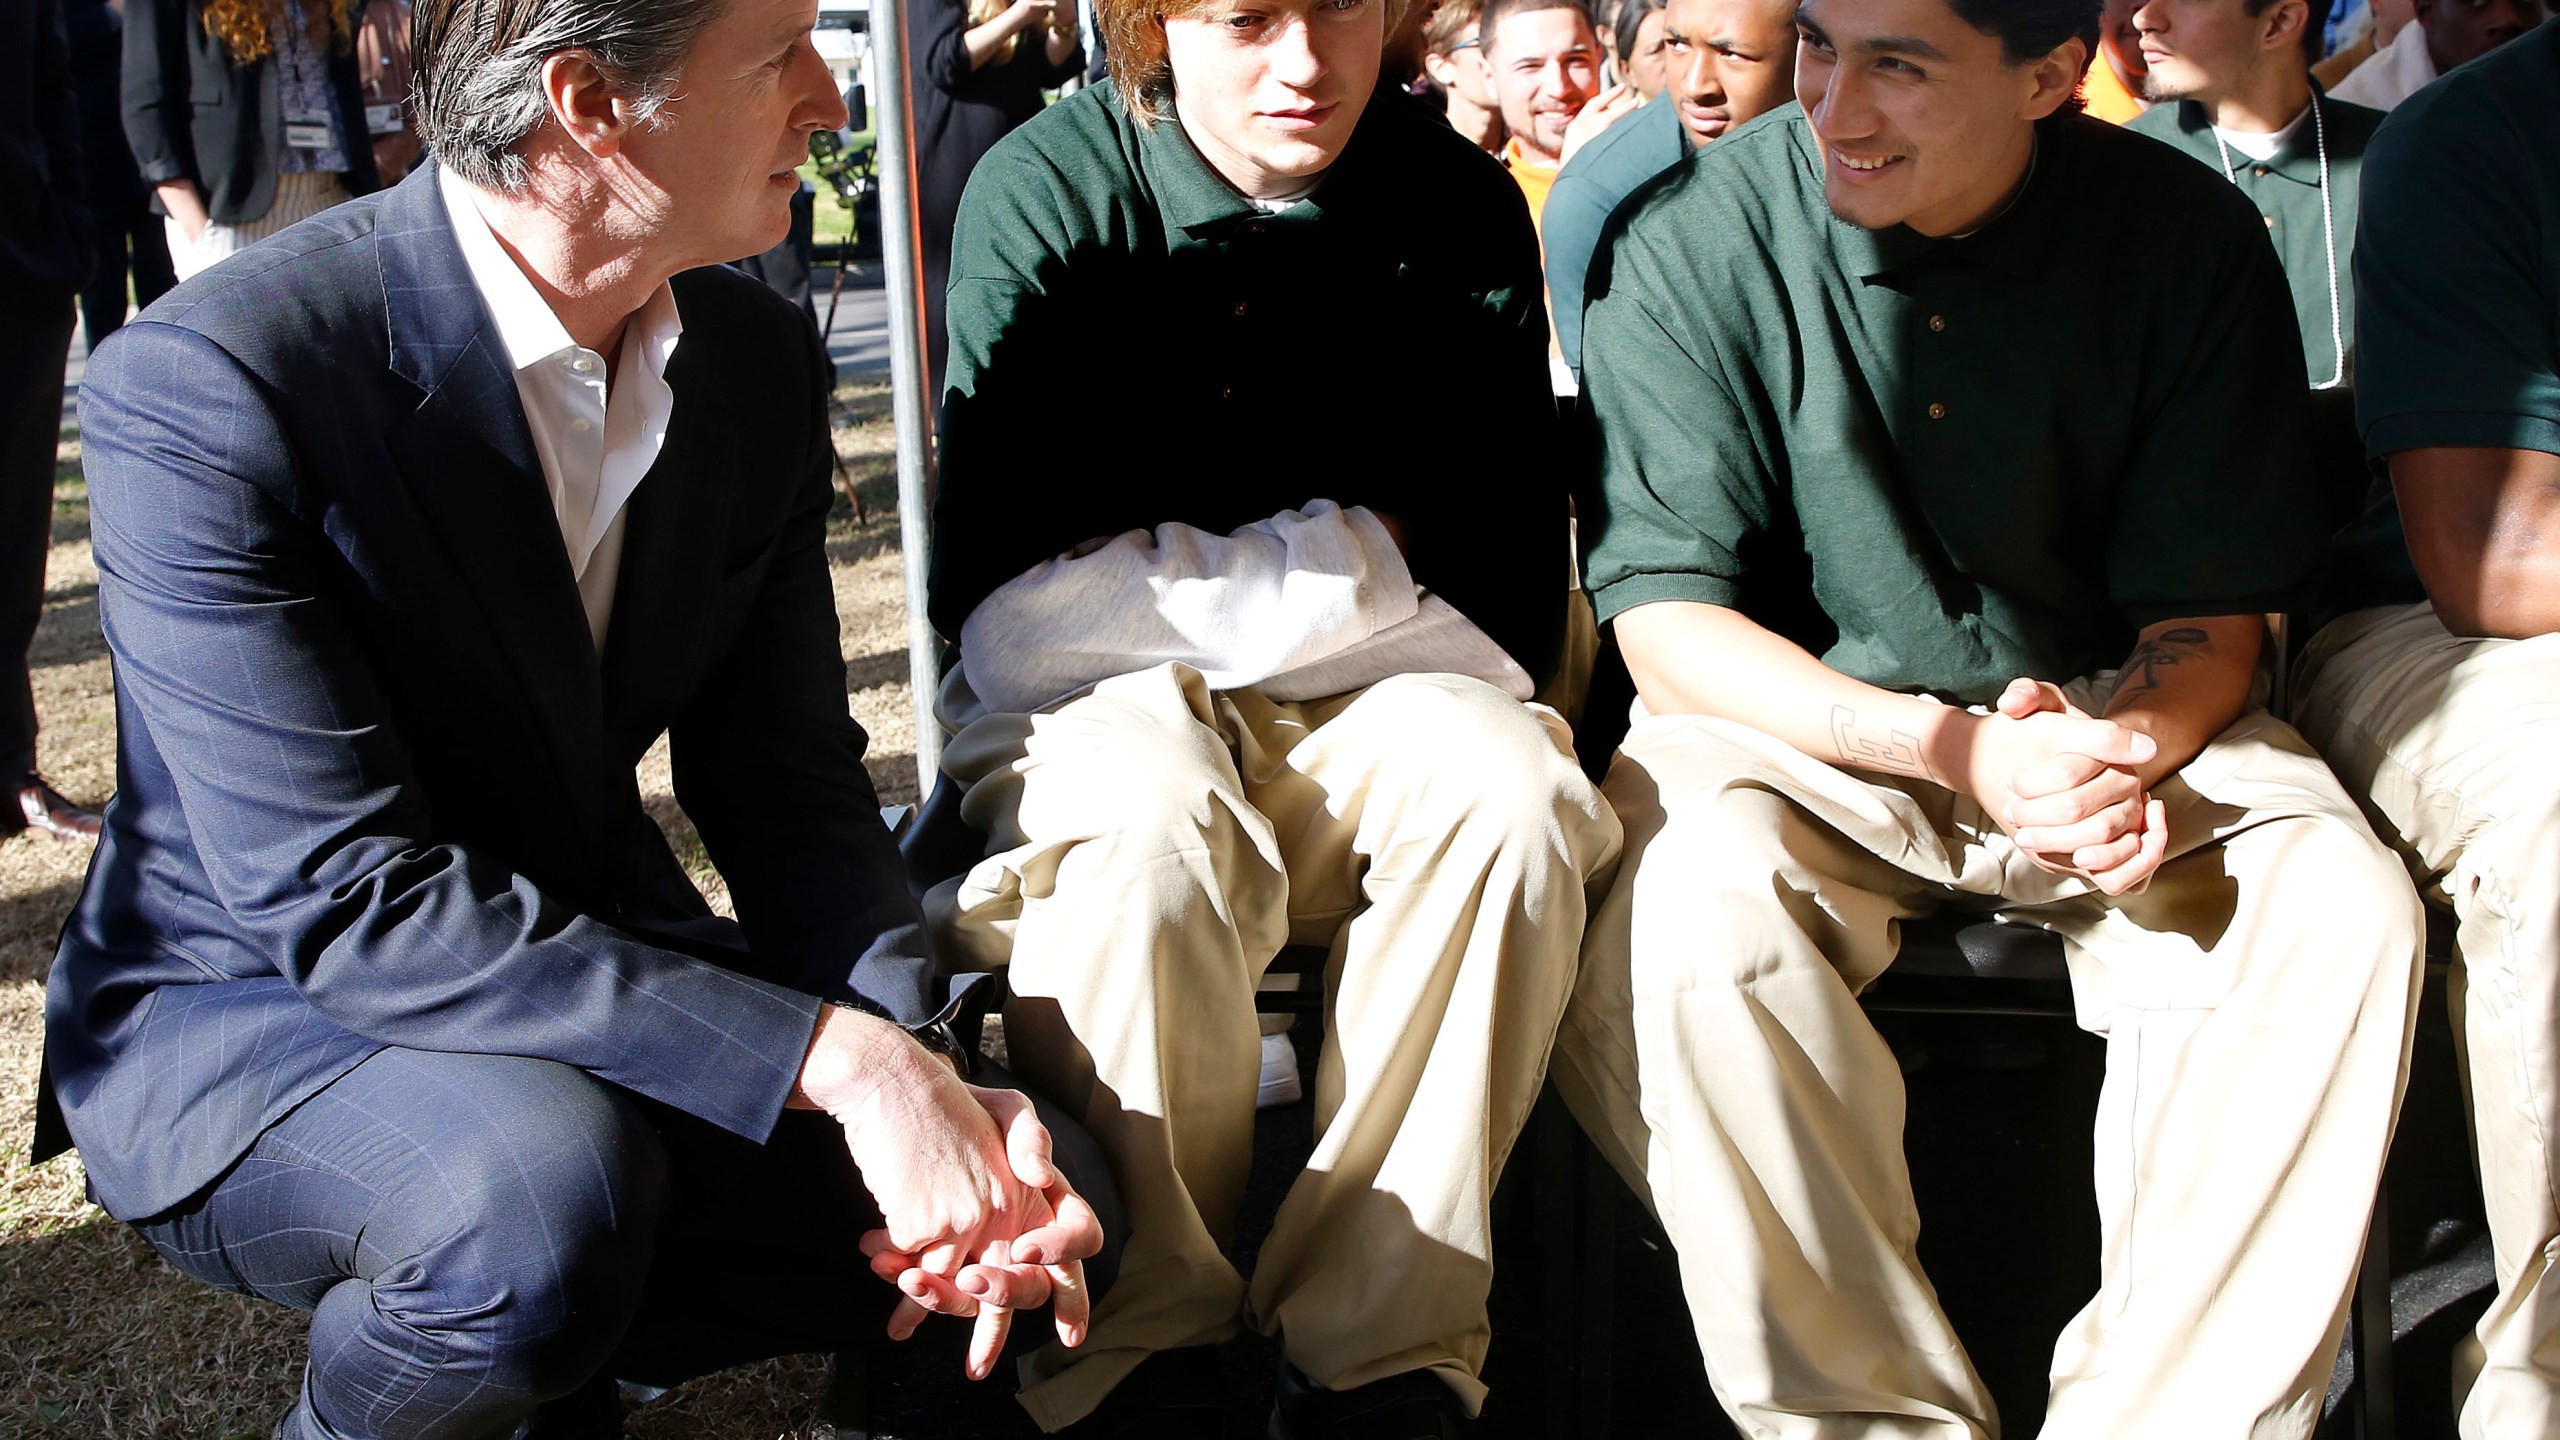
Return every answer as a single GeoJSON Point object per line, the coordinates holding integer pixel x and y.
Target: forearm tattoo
{"type": "Point", "coordinates": [1893, 752]}
{"type": "Point", "coordinates": [2141, 673]}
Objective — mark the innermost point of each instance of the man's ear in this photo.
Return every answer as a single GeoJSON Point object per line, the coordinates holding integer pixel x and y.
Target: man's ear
{"type": "Point", "coordinates": [2057, 77]}
{"type": "Point", "coordinates": [2283, 23]}
{"type": "Point", "coordinates": [584, 104]}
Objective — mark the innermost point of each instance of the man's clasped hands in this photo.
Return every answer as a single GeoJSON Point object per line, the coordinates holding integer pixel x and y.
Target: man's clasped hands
{"type": "Point", "coordinates": [2069, 787]}
{"type": "Point", "coordinates": [976, 1219]}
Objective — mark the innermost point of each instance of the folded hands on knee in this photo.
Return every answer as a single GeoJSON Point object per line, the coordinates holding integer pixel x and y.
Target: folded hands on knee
{"type": "Point", "coordinates": [977, 1221]}
{"type": "Point", "coordinates": [2064, 784]}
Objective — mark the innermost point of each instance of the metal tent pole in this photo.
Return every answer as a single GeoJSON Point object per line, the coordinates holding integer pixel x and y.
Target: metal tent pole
{"type": "Point", "coordinates": [911, 390]}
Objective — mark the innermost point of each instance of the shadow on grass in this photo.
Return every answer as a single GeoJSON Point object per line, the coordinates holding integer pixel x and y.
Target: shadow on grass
{"type": "Point", "coordinates": [870, 672]}
{"type": "Point", "coordinates": [31, 920]}
{"type": "Point", "coordinates": [98, 1336]}
{"type": "Point", "coordinates": [70, 634]}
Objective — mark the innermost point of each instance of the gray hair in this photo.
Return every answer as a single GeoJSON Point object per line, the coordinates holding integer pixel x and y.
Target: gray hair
{"type": "Point", "coordinates": [478, 75]}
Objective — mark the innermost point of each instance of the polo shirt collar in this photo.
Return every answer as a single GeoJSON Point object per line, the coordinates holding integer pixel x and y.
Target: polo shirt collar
{"type": "Point", "coordinates": [2016, 241]}
{"type": "Point", "coordinates": [1194, 200]}
{"type": "Point", "coordinates": [2296, 159]}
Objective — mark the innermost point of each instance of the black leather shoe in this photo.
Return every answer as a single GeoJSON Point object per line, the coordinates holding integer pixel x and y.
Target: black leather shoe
{"type": "Point", "coordinates": [1172, 1395]}
{"type": "Point", "coordinates": [1416, 1405]}
{"type": "Point", "coordinates": [43, 810]}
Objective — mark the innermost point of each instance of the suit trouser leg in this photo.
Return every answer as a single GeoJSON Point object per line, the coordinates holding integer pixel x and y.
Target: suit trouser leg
{"type": "Point", "coordinates": [2257, 1001]}
{"type": "Point", "coordinates": [1154, 845]}
{"type": "Point", "coordinates": [478, 1235]}
{"type": "Point", "coordinates": [35, 344]}
{"type": "Point", "coordinates": [2454, 744]}
{"type": "Point", "coordinates": [469, 1232]}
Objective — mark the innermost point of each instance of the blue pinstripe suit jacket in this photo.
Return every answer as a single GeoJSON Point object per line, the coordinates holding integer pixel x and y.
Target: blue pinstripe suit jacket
{"type": "Point", "coordinates": [374, 782]}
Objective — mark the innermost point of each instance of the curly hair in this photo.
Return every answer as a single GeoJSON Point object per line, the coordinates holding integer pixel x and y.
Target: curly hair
{"type": "Point", "coordinates": [247, 28]}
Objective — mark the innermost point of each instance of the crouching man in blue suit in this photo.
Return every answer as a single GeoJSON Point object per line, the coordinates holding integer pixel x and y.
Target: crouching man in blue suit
{"type": "Point", "coordinates": [415, 527]}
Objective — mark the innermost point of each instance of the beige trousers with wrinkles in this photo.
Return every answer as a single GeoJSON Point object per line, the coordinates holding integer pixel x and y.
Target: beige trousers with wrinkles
{"type": "Point", "coordinates": [1153, 846]}
{"type": "Point", "coordinates": [2454, 744]}
{"type": "Point", "coordinates": [2256, 1001]}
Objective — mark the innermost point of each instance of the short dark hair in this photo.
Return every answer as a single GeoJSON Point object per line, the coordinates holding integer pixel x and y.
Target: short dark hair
{"type": "Point", "coordinates": [1496, 10]}
{"type": "Point", "coordinates": [2030, 29]}
{"type": "Point", "coordinates": [1631, 15]}
{"type": "Point", "coordinates": [2315, 22]}
{"type": "Point", "coordinates": [478, 72]}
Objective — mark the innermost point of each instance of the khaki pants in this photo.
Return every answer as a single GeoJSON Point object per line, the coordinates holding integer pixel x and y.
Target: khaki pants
{"type": "Point", "coordinates": [2451, 742]}
{"type": "Point", "coordinates": [2256, 1000]}
{"type": "Point", "coordinates": [1153, 846]}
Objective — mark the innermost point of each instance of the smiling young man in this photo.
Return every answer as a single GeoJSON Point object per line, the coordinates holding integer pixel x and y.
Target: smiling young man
{"type": "Point", "coordinates": [1943, 592]}
{"type": "Point", "coordinates": [1544, 59]}
{"type": "Point", "coordinates": [416, 525]}
{"type": "Point", "coordinates": [1726, 62]}
{"type": "Point", "coordinates": [1252, 675]}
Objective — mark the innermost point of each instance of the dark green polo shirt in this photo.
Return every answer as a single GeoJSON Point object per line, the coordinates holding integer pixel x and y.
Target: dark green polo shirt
{"type": "Point", "coordinates": [1134, 344]}
{"type": "Point", "coordinates": [1588, 189]}
{"type": "Point", "coordinates": [2285, 188]}
{"type": "Point", "coordinates": [1941, 464]}
{"type": "Point", "coordinates": [2458, 283]}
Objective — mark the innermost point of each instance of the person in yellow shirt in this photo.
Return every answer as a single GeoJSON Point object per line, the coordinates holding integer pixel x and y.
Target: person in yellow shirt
{"type": "Point", "coordinates": [2112, 90]}
{"type": "Point", "coordinates": [1544, 57]}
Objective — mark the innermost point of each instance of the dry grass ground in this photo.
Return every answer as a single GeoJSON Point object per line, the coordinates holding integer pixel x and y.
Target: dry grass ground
{"type": "Point", "coordinates": [97, 1336]}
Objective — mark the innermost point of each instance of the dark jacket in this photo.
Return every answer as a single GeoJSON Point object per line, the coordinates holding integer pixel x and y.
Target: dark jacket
{"type": "Point", "coordinates": [375, 786]}
{"type": "Point", "coordinates": [960, 114]}
{"type": "Point", "coordinates": [193, 115]}
{"type": "Point", "coordinates": [97, 76]}
{"type": "Point", "coordinates": [46, 244]}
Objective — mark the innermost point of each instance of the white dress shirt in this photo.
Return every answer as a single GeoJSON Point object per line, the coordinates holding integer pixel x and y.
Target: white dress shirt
{"type": "Point", "coordinates": [596, 443]}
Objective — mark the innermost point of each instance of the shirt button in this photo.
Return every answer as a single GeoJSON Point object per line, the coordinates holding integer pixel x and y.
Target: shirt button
{"type": "Point", "coordinates": [2270, 219]}
{"type": "Point", "coordinates": [584, 364]}
{"type": "Point", "coordinates": [2260, 172]}
{"type": "Point", "coordinates": [1937, 322]}
{"type": "Point", "coordinates": [1240, 307]}
{"type": "Point", "coordinates": [581, 426]}
{"type": "Point", "coordinates": [1226, 392]}
{"type": "Point", "coordinates": [1937, 411]}
{"type": "Point", "coordinates": [1254, 228]}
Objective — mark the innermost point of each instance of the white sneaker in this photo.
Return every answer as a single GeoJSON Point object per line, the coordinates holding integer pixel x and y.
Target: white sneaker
{"type": "Point", "coordinates": [1279, 1074]}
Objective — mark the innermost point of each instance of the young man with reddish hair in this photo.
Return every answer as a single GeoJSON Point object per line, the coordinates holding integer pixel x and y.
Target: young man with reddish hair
{"type": "Point", "coordinates": [1253, 675]}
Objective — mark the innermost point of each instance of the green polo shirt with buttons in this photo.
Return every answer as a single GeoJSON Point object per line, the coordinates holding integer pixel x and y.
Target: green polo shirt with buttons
{"type": "Point", "coordinates": [1134, 343]}
{"type": "Point", "coordinates": [2314, 234]}
{"type": "Point", "coordinates": [1940, 464]}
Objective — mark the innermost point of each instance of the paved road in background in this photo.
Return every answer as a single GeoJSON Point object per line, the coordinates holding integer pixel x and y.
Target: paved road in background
{"type": "Point", "coordinates": [859, 339]}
